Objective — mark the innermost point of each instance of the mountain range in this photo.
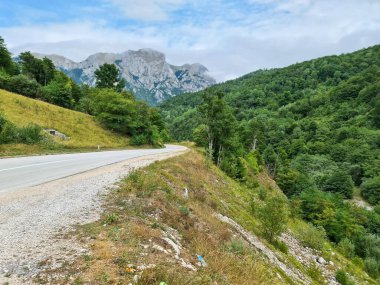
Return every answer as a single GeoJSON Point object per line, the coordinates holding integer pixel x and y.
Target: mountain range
{"type": "Point", "coordinates": [146, 71]}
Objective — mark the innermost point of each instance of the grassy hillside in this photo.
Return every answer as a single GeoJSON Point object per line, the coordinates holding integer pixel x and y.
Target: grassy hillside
{"type": "Point", "coordinates": [83, 130]}
{"type": "Point", "coordinates": [150, 214]}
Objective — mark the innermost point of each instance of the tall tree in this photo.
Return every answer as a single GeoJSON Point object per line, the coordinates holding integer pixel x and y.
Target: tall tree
{"type": "Point", "coordinates": [107, 76]}
{"type": "Point", "coordinates": [6, 62]}
{"type": "Point", "coordinates": [223, 144]}
{"type": "Point", "coordinates": [48, 70]}
{"type": "Point", "coordinates": [40, 70]}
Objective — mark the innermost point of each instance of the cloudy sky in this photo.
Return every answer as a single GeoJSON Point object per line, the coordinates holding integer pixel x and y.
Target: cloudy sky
{"type": "Point", "coordinates": [229, 37]}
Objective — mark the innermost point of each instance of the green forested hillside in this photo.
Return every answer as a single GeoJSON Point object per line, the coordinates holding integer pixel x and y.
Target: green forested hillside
{"type": "Point", "coordinates": [314, 127]}
{"type": "Point", "coordinates": [323, 113]}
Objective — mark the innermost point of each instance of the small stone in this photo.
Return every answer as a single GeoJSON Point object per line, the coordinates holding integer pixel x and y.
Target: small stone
{"type": "Point", "coordinates": [141, 267]}
{"type": "Point", "coordinates": [186, 193]}
{"type": "Point", "coordinates": [321, 260]}
{"type": "Point", "coordinates": [136, 278]}
{"type": "Point", "coordinates": [331, 263]}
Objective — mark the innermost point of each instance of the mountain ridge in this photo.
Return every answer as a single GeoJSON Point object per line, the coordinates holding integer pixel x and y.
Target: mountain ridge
{"type": "Point", "coordinates": [146, 72]}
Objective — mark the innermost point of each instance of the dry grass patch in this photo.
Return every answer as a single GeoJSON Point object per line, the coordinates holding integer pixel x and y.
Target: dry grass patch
{"type": "Point", "coordinates": [150, 211]}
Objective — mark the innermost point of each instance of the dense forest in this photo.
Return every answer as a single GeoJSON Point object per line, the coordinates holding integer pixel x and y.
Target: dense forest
{"type": "Point", "coordinates": [115, 108]}
{"type": "Point", "coordinates": [314, 127]}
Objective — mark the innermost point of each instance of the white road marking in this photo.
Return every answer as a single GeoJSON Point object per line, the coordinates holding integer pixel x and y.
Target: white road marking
{"type": "Point", "coordinates": [42, 163]}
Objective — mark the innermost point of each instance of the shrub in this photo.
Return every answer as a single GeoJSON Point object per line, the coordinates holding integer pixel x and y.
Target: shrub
{"type": "Point", "coordinates": [138, 140]}
{"type": "Point", "coordinates": [4, 77]}
{"type": "Point", "coordinates": [295, 208]}
{"type": "Point", "coordinates": [347, 248]}
{"type": "Point", "coordinates": [200, 135]}
{"type": "Point", "coordinates": [8, 133]}
{"type": "Point", "coordinates": [342, 277]}
{"type": "Point", "coordinates": [315, 273]}
{"type": "Point", "coordinates": [123, 114]}
{"type": "Point", "coordinates": [371, 190]}
{"type": "Point", "coordinates": [234, 167]}
{"type": "Point", "coordinates": [236, 246]}
{"type": "Point", "coordinates": [59, 91]}
{"type": "Point", "coordinates": [111, 218]}
{"type": "Point", "coordinates": [281, 246]}
{"type": "Point", "coordinates": [293, 182]}
{"type": "Point", "coordinates": [30, 134]}
{"type": "Point", "coordinates": [340, 182]}
{"type": "Point", "coordinates": [372, 266]}
{"type": "Point", "coordinates": [262, 193]}
{"type": "Point", "coordinates": [273, 216]}
{"type": "Point", "coordinates": [22, 85]}
{"type": "Point", "coordinates": [252, 160]}
{"type": "Point", "coordinates": [311, 236]}
{"type": "Point", "coordinates": [184, 210]}
{"type": "Point", "coordinates": [365, 245]}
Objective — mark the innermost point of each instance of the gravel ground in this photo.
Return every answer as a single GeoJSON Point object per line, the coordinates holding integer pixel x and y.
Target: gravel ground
{"type": "Point", "coordinates": [34, 221]}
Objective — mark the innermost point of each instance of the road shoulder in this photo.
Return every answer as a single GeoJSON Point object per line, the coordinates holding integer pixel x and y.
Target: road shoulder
{"type": "Point", "coordinates": [34, 220]}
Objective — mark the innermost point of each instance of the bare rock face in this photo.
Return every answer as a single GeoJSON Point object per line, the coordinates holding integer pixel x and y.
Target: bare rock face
{"type": "Point", "coordinates": [146, 71]}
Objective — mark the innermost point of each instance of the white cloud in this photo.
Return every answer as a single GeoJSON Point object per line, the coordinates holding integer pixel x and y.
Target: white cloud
{"type": "Point", "coordinates": [228, 49]}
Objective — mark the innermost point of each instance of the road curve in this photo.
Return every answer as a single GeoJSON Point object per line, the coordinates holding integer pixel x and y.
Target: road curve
{"type": "Point", "coordinates": [21, 172]}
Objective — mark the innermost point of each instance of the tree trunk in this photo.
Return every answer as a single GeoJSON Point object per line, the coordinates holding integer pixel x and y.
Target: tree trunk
{"type": "Point", "coordinates": [219, 155]}
{"type": "Point", "coordinates": [210, 143]}
{"type": "Point", "coordinates": [254, 143]}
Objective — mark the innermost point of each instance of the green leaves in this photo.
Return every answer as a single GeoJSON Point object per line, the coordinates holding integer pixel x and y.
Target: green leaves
{"type": "Point", "coordinates": [42, 70]}
{"type": "Point", "coordinates": [10, 133]}
{"type": "Point", "coordinates": [121, 113]}
{"type": "Point", "coordinates": [6, 62]}
{"type": "Point", "coordinates": [107, 76]}
{"type": "Point", "coordinates": [273, 215]}
{"type": "Point", "coordinates": [220, 127]}
{"type": "Point", "coordinates": [371, 190]}
{"type": "Point", "coordinates": [340, 182]}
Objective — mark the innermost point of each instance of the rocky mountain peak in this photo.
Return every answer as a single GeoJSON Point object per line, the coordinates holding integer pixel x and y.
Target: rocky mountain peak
{"type": "Point", "coordinates": [146, 71]}
{"type": "Point", "coordinates": [149, 54]}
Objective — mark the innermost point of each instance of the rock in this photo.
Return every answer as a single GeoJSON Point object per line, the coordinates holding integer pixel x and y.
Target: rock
{"type": "Point", "coordinates": [136, 278]}
{"type": "Point", "coordinates": [255, 242]}
{"type": "Point", "coordinates": [145, 246]}
{"type": "Point", "coordinates": [321, 260]}
{"type": "Point", "coordinates": [160, 248]}
{"type": "Point", "coordinates": [331, 263]}
{"type": "Point", "coordinates": [176, 247]}
{"type": "Point", "coordinates": [186, 193]}
{"type": "Point", "coordinates": [146, 71]}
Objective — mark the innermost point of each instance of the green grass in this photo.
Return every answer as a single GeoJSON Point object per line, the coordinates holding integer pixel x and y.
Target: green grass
{"type": "Point", "coordinates": [84, 132]}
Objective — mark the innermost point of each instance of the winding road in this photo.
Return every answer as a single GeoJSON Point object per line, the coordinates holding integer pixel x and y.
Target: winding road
{"type": "Point", "coordinates": [21, 172]}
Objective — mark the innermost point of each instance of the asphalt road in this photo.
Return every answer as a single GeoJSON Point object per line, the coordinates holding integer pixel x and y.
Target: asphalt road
{"type": "Point", "coordinates": [21, 172]}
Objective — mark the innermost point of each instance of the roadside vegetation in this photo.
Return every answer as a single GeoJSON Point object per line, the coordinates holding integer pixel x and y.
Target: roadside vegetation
{"type": "Point", "coordinates": [161, 217]}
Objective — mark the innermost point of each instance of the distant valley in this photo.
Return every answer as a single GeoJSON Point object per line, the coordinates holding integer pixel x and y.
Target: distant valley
{"type": "Point", "coordinates": [148, 74]}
